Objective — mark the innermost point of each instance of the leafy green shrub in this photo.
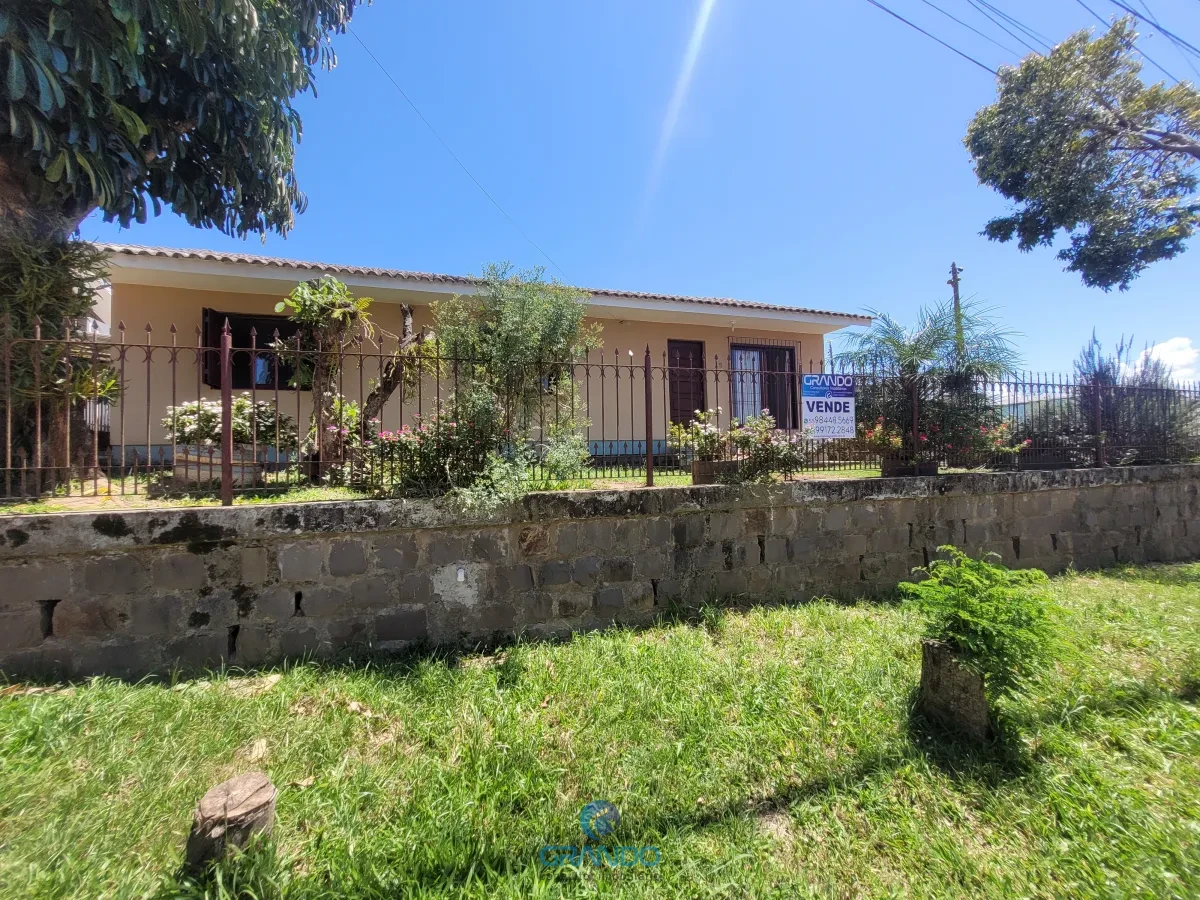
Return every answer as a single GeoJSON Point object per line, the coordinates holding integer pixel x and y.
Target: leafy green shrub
{"type": "Point", "coordinates": [996, 619]}
{"type": "Point", "coordinates": [504, 479]}
{"type": "Point", "coordinates": [564, 454]}
{"type": "Point", "coordinates": [198, 423]}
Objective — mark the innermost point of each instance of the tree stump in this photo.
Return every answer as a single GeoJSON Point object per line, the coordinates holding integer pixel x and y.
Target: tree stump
{"type": "Point", "coordinates": [228, 815]}
{"type": "Point", "coordinates": [951, 695]}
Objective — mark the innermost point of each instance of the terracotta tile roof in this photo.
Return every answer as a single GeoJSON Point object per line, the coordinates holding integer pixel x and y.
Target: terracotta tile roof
{"type": "Point", "coordinates": [434, 278]}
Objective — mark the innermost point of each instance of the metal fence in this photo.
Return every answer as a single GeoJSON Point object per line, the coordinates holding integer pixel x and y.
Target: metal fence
{"type": "Point", "coordinates": [166, 415]}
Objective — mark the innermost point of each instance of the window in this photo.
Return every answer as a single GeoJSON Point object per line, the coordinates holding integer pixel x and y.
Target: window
{"type": "Point", "coordinates": [763, 378]}
{"type": "Point", "coordinates": [685, 380]}
{"type": "Point", "coordinates": [258, 370]}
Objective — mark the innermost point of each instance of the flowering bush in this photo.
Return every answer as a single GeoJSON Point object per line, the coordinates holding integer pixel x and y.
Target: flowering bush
{"type": "Point", "coordinates": [883, 437]}
{"type": "Point", "coordinates": [764, 451]}
{"type": "Point", "coordinates": [444, 449]}
{"type": "Point", "coordinates": [198, 423]}
{"type": "Point", "coordinates": [701, 438]}
{"type": "Point", "coordinates": [980, 441]}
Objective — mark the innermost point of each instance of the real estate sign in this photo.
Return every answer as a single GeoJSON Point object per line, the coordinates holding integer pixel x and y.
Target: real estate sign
{"type": "Point", "coordinates": [827, 405]}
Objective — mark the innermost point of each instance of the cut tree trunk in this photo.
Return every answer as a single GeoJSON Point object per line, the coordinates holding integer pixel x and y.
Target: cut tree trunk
{"type": "Point", "coordinates": [951, 695]}
{"type": "Point", "coordinates": [229, 815]}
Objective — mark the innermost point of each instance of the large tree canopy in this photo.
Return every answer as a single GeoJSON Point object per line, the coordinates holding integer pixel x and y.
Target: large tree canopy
{"type": "Point", "coordinates": [1082, 145]}
{"type": "Point", "coordinates": [123, 104]}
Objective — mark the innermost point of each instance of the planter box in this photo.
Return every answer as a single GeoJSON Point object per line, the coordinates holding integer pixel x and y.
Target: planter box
{"type": "Point", "coordinates": [951, 696]}
{"type": "Point", "coordinates": [195, 465]}
{"type": "Point", "coordinates": [711, 471]}
{"type": "Point", "coordinates": [900, 467]}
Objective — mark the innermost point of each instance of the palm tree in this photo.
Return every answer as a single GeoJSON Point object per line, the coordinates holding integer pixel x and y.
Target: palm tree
{"type": "Point", "coordinates": [931, 371]}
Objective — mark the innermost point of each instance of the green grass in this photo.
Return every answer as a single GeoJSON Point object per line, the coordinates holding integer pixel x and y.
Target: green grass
{"type": "Point", "coordinates": [767, 751]}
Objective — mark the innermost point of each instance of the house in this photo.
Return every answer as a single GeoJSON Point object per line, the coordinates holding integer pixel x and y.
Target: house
{"type": "Point", "coordinates": [705, 351]}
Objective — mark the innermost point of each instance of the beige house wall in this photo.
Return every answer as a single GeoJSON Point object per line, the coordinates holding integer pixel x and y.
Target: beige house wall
{"type": "Point", "coordinates": [610, 388]}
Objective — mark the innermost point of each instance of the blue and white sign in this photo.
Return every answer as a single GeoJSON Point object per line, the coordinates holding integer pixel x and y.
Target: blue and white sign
{"type": "Point", "coordinates": [827, 405]}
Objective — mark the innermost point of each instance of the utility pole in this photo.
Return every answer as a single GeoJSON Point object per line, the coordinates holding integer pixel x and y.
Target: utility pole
{"type": "Point", "coordinates": [959, 340]}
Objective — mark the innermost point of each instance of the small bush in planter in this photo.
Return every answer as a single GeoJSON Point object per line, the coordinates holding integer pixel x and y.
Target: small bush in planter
{"type": "Point", "coordinates": [996, 624]}
{"type": "Point", "coordinates": [197, 423]}
{"type": "Point", "coordinates": [764, 451]}
{"type": "Point", "coordinates": [701, 439]}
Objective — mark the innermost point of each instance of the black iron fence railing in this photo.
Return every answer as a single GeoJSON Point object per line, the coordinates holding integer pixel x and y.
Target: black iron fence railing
{"type": "Point", "coordinates": [82, 415]}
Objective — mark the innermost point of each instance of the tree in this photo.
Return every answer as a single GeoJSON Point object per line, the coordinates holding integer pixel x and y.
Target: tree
{"type": "Point", "coordinates": [521, 335]}
{"type": "Point", "coordinates": [47, 288]}
{"type": "Point", "coordinates": [125, 104]}
{"type": "Point", "coordinates": [938, 363]}
{"type": "Point", "coordinates": [333, 322]}
{"type": "Point", "coordinates": [1135, 404]}
{"type": "Point", "coordinates": [1081, 145]}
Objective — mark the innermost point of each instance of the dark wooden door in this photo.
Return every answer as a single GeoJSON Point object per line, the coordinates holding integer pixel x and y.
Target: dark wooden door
{"type": "Point", "coordinates": [685, 379]}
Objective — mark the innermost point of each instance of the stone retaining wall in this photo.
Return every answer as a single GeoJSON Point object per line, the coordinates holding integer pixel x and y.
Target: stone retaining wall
{"type": "Point", "coordinates": [127, 593]}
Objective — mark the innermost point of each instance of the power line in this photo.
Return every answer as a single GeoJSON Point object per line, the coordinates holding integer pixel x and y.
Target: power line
{"type": "Point", "coordinates": [931, 37]}
{"type": "Point", "coordinates": [453, 155]}
{"type": "Point", "coordinates": [986, 37]}
{"type": "Point", "coordinates": [1178, 47]}
{"type": "Point", "coordinates": [1145, 56]}
{"type": "Point", "coordinates": [1170, 34]}
{"type": "Point", "coordinates": [1017, 23]}
{"type": "Point", "coordinates": [1012, 34]}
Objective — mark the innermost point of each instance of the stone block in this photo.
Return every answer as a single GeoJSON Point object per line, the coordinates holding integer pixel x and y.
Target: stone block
{"type": "Point", "coordinates": [658, 532]}
{"type": "Point", "coordinates": [835, 518]}
{"type": "Point", "coordinates": [254, 646]}
{"type": "Point", "coordinates": [179, 572]}
{"type": "Point", "coordinates": [116, 575]}
{"type": "Point", "coordinates": [347, 558]}
{"type": "Point", "coordinates": [554, 573]}
{"type": "Point", "coordinates": [890, 540]}
{"type": "Point", "coordinates": [397, 554]}
{"type": "Point", "coordinates": [496, 617]}
{"type": "Point", "coordinates": [629, 536]}
{"type": "Point", "coordinates": [200, 650]}
{"type": "Point", "coordinates": [84, 617]}
{"type": "Point", "coordinates": [610, 599]}
{"type": "Point", "coordinates": [854, 544]}
{"type": "Point", "coordinates": [490, 547]}
{"type": "Point", "coordinates": [597, 534]}
{"type": "Point", "coordinates": [34, 582]}
{"type": "Point", "coordinates": [616, 569]}
{"type": "Point", "coordinates": [566, 539]}
{"type": "Point", "coordinates": [325, 602]}
{"type": "Point", "coordinates": [775, 550]}
{"type": "Point", "coordinates": [688, 531]}
{"type": "Point", "coordinates": [533, 540]}
{"type": "Point", "coordinates": [731, 583]}
{"type": "Point", "coordinates": [651, 564]}
{"type": "Point", "coordinates": [279, 603]}
{"type": "Point", "coordinates": [444, 549]}
{"type": "Point", "coordinates": [301, 562]}
{"type": "Point", "coordinates": [256, 567]}
{"type": "Point", "coordinates": [372, 592]}
{"type": "Point", "coordinates": [347, 632]}
{"type": "Point", "coordinates": [534, 607]}
{"type": "Point", "coordinates": [154, 614]}
{"type": "Point", "coordinates": [573, 603]}
{"type": "Point", "coordinates": [415, 587]}
{"type": "Point", "coordinates": [586, 571]}
{"type": "Point", "coordinates": [298, 640]}
{"type": "Point", "coordinates": [514, 579]}
{"type": "Point", "coordinates": [21, 630]}
{"type": "Point", "coordinates": [403, 624]}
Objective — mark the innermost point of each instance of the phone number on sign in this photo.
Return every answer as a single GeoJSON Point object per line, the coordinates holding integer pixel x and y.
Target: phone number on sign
{"type": "Point", "coordinates": [831, 428]}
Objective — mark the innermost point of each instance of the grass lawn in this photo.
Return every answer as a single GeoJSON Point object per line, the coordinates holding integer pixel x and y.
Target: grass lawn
{"type": "Point", "coordinates": [767, 752]}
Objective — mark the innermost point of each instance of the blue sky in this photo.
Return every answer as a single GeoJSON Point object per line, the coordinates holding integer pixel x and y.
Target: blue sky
{"type": "Point", "coordinates": [812, 156]}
